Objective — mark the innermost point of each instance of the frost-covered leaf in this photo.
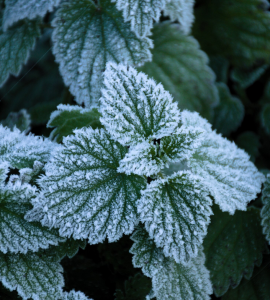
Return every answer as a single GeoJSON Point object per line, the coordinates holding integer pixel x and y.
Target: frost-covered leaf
{"type": "Point", "coordinates": [20, 119]}
{"type": "Point", "coordinates": [15, 45]}
{"type": "Point", "coordinates": [67, 118]}
{"type": "Point", "coordinates": [82, 192]}
{"type": "Point", "coordinates": [265, 117]}
{"type": "Point", "coordinates": [135, 108]}
{"type": "Point", "coordinates": [181, 11]}
{"type": "Point", "coordinates": [101, 36]}
{"type": "Point", "coordinates": [250, 142]}
{"type": "Point", "coordinates": [70, 248]}
{"type": "Point", "coordinates": [265, 213]}
{"type": "Point", "coordinates": [32, 275]}
{"type": "Point", "coordinates": [141, 14]}
{"type": "Point", "coordinates": [229, 113]}
{"type": "Point", "coordinates": [233, 245]}
{"type": "Point", "coordinates": [237, 30]}
{"type": "Point", "coordinates": [16, 10]}
{"type": "Point", "coordinates": [72, 295]}
{"type": "Point", "coordinates": [3, 172]}
{"type": "Point", "coordinates": [182, 68]}
{"type": "Point", "coordinates": [16, 234]}
{"type": "Point", "coordinates": [226, 170]}
{"type": "Point", "coordinates": [22, 150]}
{"type": "Point", "coordinates": [176, 211]}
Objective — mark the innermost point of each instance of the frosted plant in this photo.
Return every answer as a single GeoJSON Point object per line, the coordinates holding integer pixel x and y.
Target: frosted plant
{"type": "Point", "coordinates": [265, 213]}
{"type": "Point", "coordinates": [72, 295]}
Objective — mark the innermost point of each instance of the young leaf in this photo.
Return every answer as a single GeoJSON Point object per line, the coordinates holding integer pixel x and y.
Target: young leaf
{"type": "Point", "coordinates": [232, 179]}
{"type": "Point", "coordinates": [33, 275]}
{"type": "Point", "coordinates": [72, 295]}
{"type": "Point", "coordinates": [21, 150]}
{"type": "Point", "coordinates": [182, 68]}
{"type": "Point", "coordinates": [265, 213]}
{"type": "Point", "coordinates": [20, 119]}
{"type": "Point", "coordinates": [67, 118]}
{"type": "Point", "coordinates": [229, 113]}
{"type": "Point", "coordinates": [176, 212]}
{"type": "Point", "coordinates": [82, 192]}
{"type": "Point", "coordinates": [16, 10]}
{"type": "Point", "coordinates": [135, 108]}
{"type": "Point", "coordinates": [232, 246]}
{"type": "Point", "coordinates": [15, 45]}
{"type": "Point", "coordinates": [101, 36]}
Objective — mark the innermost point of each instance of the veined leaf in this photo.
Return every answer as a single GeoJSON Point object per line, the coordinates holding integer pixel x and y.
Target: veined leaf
{"type": "Point", "coordinates": [265, 213]}
{"type": "Point", "coordinates": [233, 245]}
{"type": "Point", "coordinates": [176, 212]}
{"type": "Point", "coordinates": [135, 108]}
{"type": "Point", "coordinates": [72, 295]}
{"type": "Point", "coordinates": [20, 119]}
{"type": "Point", "coordinates": [230, 111]}
{"type": "Point", "coordinates": [226, 170]}
{"type": "Point", "coordinates": [21, 150]}
{"type": "Point", "coordinates": [182, 68]}
{"type": "Point", "coordinates": [15, 45]}
{"type": "Point", "coordinates": [101, 36]}
{"type": "Point", "coordinates": [32, 275]}
{"type": "Point", "coordinates": [237, 30]}
{"type": "Point", "coordinates": [82, 192]}
{"type": "Point", "coordinates": [16, 10]}
{"type": "Point", "coordinates": [67, 118]}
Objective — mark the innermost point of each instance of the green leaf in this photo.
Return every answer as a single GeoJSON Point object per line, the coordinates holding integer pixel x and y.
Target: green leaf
{"type": "Point", "coordinates": [233, 245]}
{"type": "Point", "coordinates": [176, 211]}
{"type": "Point", "coordinates": [237, 30]}
{"type": "Point", "coordinates": [265, 213]}
{"type": "Point", "coordinates": [229, 113]}
{"type": "Point", "coordinates": [220, 66]}
{"type": "Point", "coordinates": [69, 248]}
{"type": "Point", "coordinates": [67, 118]}
{"type": "Point", "coordinates": [83, 194]}
{"type": "Point", "coordinates": [265, 117]}
{"type": "Point", "coordinates": [32, 275]}
{"type": "Point", "coordinates": [257, 288]}
{"type": "Point", "coordinates": [20, 119]}
{"type": "Point", "coordinates": [101, 36]}
{"type": "Point", "coordinates": [182, 68]}
{"type": "Point", "coordinates": [15, 46]}
{"type": "Point", "coordinates": [250, 142]}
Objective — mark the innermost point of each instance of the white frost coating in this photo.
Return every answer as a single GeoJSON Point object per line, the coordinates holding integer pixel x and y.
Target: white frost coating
{"type": "Point", "coordinates": [82, 192]}
{"type": "Point", "coordinates": [72, 295]}
{"type": "Point", "coordinates": [35, 276]}
{"type": "Point", "coordinates": [141, 14]}
{"type": "Point", "coordinates": [16, 10]}
{"type": "Point", "coordinates": [3, 172]}
{"type": "Point", "coordinates": [16, 234]}
{"type": "Point", "coordinates": [134, 107]}
{"type": "Point", "coordinates": [181, 11]}
{"type": "Point", "coordinates": [101, 36]}
{"type": "Point", "coordinates": [226, 170]}
{"type": "Point", "coordinates": [176, 212]}
{"type": "Point", "coordinates": [15, 46]}
{"type": "Point", "coordinates": [21, 150]}
{"type": "Point", "coordinates": [265, 212]}
{"type": "Point", "coordinates": [193, 119]}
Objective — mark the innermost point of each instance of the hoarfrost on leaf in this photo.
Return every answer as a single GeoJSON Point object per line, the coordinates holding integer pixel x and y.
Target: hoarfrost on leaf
{"type": "Point", "coordinates": [176, 212]}
{"type": "Point", "coordinates": [72, 295]}
{"type": "Point", "coordinates": [134, 108]}
{"type": "Point", "coordinates": [265, 212]}
{"type": "Point", "coordinates": [19, 119]}
{"type": "Point", "coordinates": [16, 10]}
{"type": "Point", "coordinates": [3, 172]}
{"type": "Point", "coordinates": [101, 36]}
{"type": "Point", "coordinates": [82, 192]}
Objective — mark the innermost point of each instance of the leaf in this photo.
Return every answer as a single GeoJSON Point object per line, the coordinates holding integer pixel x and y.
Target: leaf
{"type": "Point", "coordinates": [33, 275]}
{"type": "Point", "coordinates": [15, 46]}
{"type": "Point", "coordinates": [3, 172]}
{"type": "Point", "coordinates": [67, 118]}
{"type": "Point", "coordinates": [22, 150]}
{"type": "Point", "coordinates": [135, 108]}
{"type": "Point", "coordinates": [70, 248]}
{"type": "Point", "coordinates": [220, 66]}
{"type": "Point", "coordinates": [72, 295]}
{"type": "Point", "coordinates": [20, 119]}
{"type": "Point", "coordinates": [83, 194]}
{"type": "Point", "coordinates": [16, 10]}
{"type": "Point", "coordinates": [238, 30]}
{"type": "Point", "coordinates": [232, 179]}
{"type": "Point", "coordinates": [141, 14]}
{"type": "Point", "coordinates": [230, 111]}
{"type": "Point", "coordinates": [233, 245]}
{"type": "Point", "coordinates": [250, 142]}
{"type": "Point", "coordinates": [101, 36]}
{"type": "Point", "coordinates": [182, 68]}
{"type": "Point", "coordinates": [265, 213]}
{"type": "Point", "coordinates": [176, 211]}
{"type": "Point", "coordinates": [257, 288]}
{"type": "Point", "coordinates": [265, 117]}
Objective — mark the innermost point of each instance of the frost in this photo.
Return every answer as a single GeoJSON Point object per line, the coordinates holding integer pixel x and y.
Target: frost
{"type": "Point", "coordinates": [265, 212]}
{"type": "Point", "coordinates": [176, 212]}
{"type": "Point", "coordinates": [134, 107]}
{"type": "Point", "coordinates": [226, 170]}
{"type": "Point", "coordinates": [72, 295]}
{"type": "Point", "coordinates": [101, 36]}
{"type": "Point", "coordinates": [16, 10]}
{"type": "Point", "coordinates": [3, 172]}
{"type": "Point", "coordinates": [15, 45]}
{"type": "Point", "coordinates": [181, 11]}
{"type": "Point", "coordinates": [82, 192]}
{"type": "Point", "coordinates": [36, 276]}
{"type": "Point", "coordinates": [20, 119]}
